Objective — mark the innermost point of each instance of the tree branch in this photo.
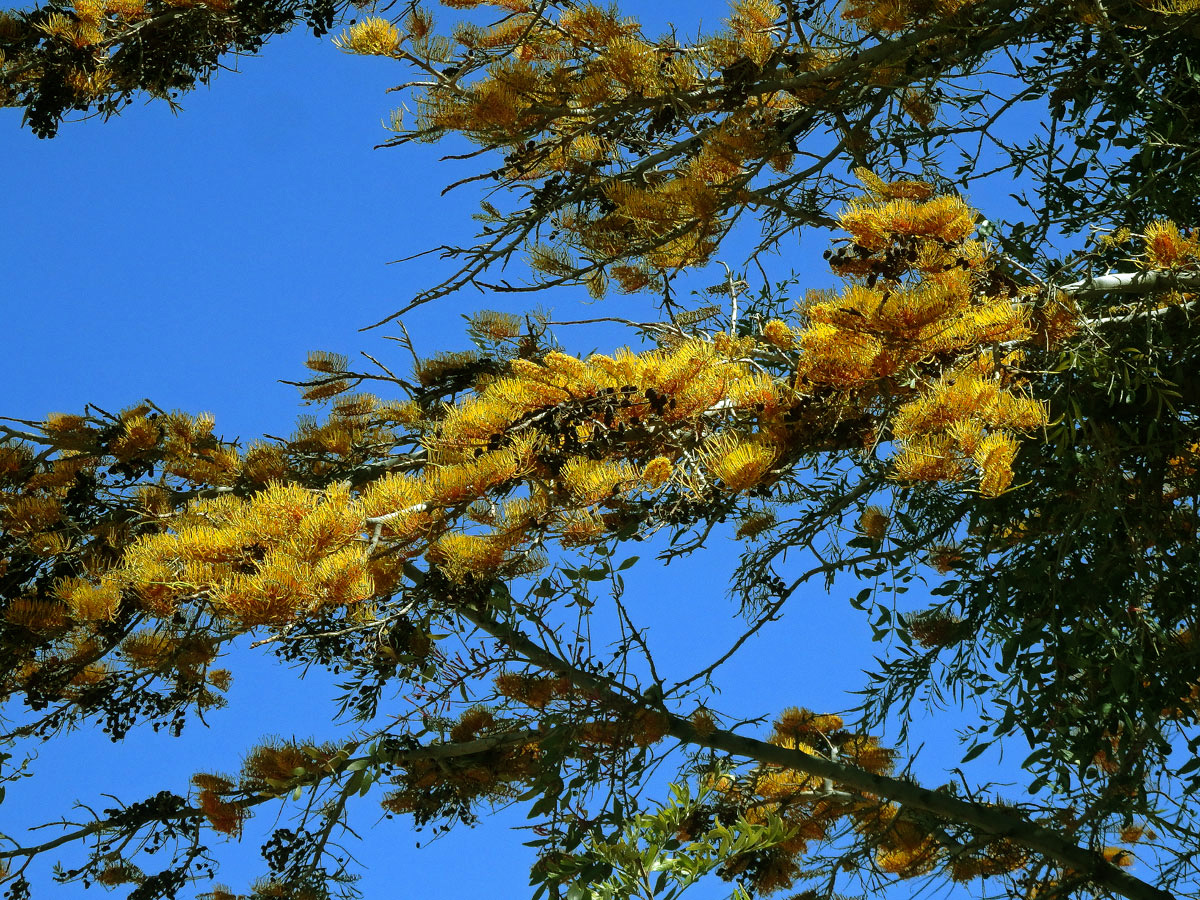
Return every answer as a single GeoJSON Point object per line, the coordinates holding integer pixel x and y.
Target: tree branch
{"type": "Point", "coordinates": [1132, 283]}
{"type": "Point", "coordinates": [991, 820]}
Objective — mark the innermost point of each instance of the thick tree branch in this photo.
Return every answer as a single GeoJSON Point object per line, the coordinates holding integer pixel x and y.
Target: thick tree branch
{"type": "Point", "coordinates": [991, 820]}
{"type": "Point", "coordinates": [1132, 283]}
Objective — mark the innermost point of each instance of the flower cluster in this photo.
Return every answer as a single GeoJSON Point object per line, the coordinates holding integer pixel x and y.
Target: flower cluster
{"type": "Point", "coordinates": [922, 291]}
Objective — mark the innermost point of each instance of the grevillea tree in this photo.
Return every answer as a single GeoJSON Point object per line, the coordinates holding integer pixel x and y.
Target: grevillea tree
{"type": "Point", "coordinates": [1005, 410]}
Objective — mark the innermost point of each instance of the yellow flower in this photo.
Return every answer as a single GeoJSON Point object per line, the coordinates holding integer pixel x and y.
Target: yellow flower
{"type": "Point", "coordinates": [994, 456]}
{"type": "Point", "coordinates": [28, 515]}
{"type": "Point", "coordinates": [1167, 247]}
{"type": "Point", "coordinates": [703, 722]}
{"type": "Point", "coordinates": [89, 12]}
{"type": "Point", "coordinates": [740, 464]}
{"type": "Point", "coordinates": [342, 578]}
{"type": "Point", "coordinates": [36, 614]}
{"type": "Point", "coordinates": [373, 36]}
{"type": "Point", "coordinates": [836, 356]}
{"type": "Point", "coordinates": [495, 326]}
{"type": "Point", "coordinates": [755, 524]}
{"type": "Point", "coordinates": [1118, 856]}
{"type": "Point", "coordinates": [928, 459]}
{"type": "Point", "coordinates": [225, 818]}
{"type": "Point", "coordinates": [873, 523]}
{"type": "Point", "coordinates": [657, 472]}
{"type": "Point", "coordinates": [128, 10]}
{"type": "Point", "coordinates": [580, 529]}
{"type": "Point", "coordinates": [593, 481]}
{"type": "Point", "coordinates": [138, 434]}
{"type": "Point", "coordinates": [463, 555]}
{"type": "Point", "coordinates": [778, 333]}
{"type": "Point", "coordinates": [89, 602]}
{"type": "Point", "coordinates": [148, 649]}
{"type": "Point", "coordinates": [908, 861]}
{"type": "Point", "coordinates": [795, 723]}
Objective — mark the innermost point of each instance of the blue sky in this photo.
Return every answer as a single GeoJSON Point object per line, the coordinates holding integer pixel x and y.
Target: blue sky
{"type": "Point", "coordinates": [195, 260]}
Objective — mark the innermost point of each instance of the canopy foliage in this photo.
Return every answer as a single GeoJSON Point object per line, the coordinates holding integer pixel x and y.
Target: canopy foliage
{"type": "Point", "coordinates": [1003, 409]}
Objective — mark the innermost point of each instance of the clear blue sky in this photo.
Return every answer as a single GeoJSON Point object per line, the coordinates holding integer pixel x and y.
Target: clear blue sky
{"type": "Point", "coordinates": [196, 259]}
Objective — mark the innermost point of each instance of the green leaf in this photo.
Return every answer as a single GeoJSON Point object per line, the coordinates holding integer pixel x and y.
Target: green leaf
{"type": "Point", "coordinates": [597, 871]}
{"type": "Point", "coordinates": [1122, 676]}
{"type": "Point", "coordinates": [974, 752]}
{"type": "Point", "coordinates": [535, 791]}
{"type": "Point", "coordinates": [1036, 756]}
{"type": "Point", "coordinates": [543, 806]}
{"type": "Point", "coordinates": [367, 779]}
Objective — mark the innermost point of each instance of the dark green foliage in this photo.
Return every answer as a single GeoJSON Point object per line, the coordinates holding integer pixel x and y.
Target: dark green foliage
{"type": "Point", "coordinates": [171, 51]}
